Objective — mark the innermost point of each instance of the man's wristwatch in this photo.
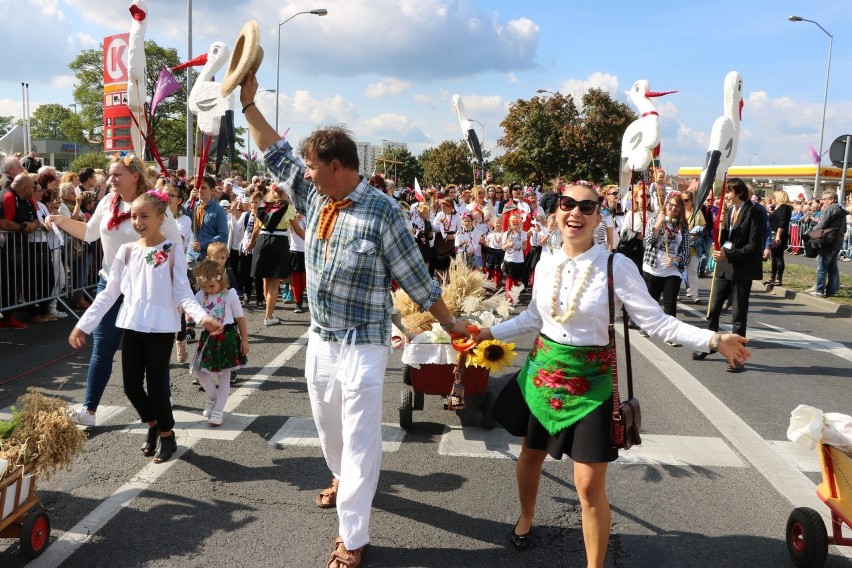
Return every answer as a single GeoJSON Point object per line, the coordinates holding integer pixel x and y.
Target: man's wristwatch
{"type": "Point", "coordinates": [450, 324]}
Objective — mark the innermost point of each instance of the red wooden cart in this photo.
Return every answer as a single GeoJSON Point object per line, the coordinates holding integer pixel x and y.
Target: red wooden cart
{"type": "Point", "coordinates": [20, 517]}
{"type": "Point", "coordinates": [807, 539]}
{"type": "Point", "coordinates": [439, 379]}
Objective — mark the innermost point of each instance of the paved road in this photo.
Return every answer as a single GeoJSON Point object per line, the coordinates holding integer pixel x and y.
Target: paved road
{"type": "Point", "coordinates": [712, 485]}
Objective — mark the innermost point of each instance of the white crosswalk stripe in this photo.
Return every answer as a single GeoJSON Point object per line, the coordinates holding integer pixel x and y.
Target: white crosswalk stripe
{"type": "Point", "coordinates": [303, 432]}
{"type": "Point", "coordinates": [195, 426]}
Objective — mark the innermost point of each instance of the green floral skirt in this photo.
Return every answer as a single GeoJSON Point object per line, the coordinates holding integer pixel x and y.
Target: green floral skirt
{"type": "Point", "coordinates": [221, 352]}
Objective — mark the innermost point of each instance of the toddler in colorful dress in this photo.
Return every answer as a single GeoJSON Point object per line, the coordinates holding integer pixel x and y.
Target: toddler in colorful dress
{"type": "Point", "coordinates": [223, 353]}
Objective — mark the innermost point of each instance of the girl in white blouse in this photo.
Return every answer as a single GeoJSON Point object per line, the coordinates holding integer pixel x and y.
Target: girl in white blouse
{"type": "Point", "coordinates": [151, 274]}
{"type": "Point", "coordinates": [111, 225]}
{"type": "Point", "coordinates": [513, 246]}
{"type": "Point", "coordinates": [562, 408]}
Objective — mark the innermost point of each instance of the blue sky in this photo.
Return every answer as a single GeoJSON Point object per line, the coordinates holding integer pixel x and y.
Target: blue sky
{"type": "Point", "coordinates": [388, 69]}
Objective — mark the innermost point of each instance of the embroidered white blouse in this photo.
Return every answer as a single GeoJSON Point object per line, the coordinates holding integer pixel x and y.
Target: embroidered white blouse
{"type": "Point", "coordinates": [224, 307]}
{"type": "Point", "coordinates": [145, 280]}
{"type": "Point", "coordinates": [589, 326]}
{"type": "Point", "coordinates": [111, 240]}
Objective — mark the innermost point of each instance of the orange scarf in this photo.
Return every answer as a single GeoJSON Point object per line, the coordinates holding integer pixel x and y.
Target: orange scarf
{"type": "Point", "coordinates": [328, 217]}
{"type": "Point", "coordinates": [199, 215]}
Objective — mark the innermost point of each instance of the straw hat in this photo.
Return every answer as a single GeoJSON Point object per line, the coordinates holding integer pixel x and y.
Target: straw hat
{"type": "Point", "coordinates": [246, 56]}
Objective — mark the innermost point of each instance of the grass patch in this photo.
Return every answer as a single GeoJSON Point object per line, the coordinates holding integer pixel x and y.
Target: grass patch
{"type": "Point", "coordinates": [800, 278]}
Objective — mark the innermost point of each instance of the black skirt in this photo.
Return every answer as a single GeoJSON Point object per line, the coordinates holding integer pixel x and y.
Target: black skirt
{"type": "Point", "coordinates": [271, 256]}
{"type": "Point", "coordinates": [586, 441]}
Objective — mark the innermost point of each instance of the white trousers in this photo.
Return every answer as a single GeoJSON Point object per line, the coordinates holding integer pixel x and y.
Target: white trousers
{"type": "Point", "coordinates": [349, 426]}
{"type": "Point", "coordinates": [692, 274]}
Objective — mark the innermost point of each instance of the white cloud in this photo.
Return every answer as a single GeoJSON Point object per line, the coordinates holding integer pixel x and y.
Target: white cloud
{"type": "Point", "coordinates": [86, 41]}
{"type": "Point", "coordinates": [63, 81]}
{"type": "Point", "coordinates": [389, 126]}
{"type": "Point", "coordinates": [512, 78]}
{"type": "Point", "coordinates": [302, 107]}
{"type": "Point", "coordinates": [483, 103]}
{"type": "Point", "coordinates": [425, 100]}
{"type": "Point", "coordinates": [387, 86]}
{"type": "Point", "coordinates": [597, 80]}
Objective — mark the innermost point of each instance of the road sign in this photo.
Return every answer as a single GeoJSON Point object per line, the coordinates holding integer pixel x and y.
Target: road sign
{"type": "Point", "coordinates": [838, 147]}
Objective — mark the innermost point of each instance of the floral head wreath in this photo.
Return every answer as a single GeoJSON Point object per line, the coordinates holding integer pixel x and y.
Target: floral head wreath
{"type": "Point", "coordinates": [161, 195]}
{"type": "Point", "coordinates": [127, 160]}
{"type": "Point", "coordinates": [206, 278]}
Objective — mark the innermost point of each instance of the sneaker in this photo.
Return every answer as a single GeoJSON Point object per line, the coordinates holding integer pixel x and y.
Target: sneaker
{"type": "Point", "coordinates": [260, 305]}
{"type": "Point", "coordinates": [299, 310]}
{"type": "Point", "coordinates": [643, 333]}
{"type": "Point", "coordinates": [233, 377]}
{"type": "Point", "coordinates": [817, 294]}
{"type": "Point", "coordinates": [82, 417]}
{"type": "Point", "coordinates": [271, 321]}
{"type": "Point", "coordinates": [12, 323]}
{"type": "Point", "coordinates": [208, 407]}
{"type": "Point", "coordinates": [216, 418]}
{"type": "Point", "coordinates": [674, 344]}
{"type": "Point", "coordinates": [54, 313]}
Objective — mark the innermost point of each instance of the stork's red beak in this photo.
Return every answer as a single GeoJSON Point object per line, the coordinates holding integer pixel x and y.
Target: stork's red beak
{"type": "Point", "coordinates": [137, 13]}
{"type": "Point", "coordinates": [194, 62]}
{"type": "Point", "coordinates": [742, 104]}
{"type": "Point", "coordinates": [651, 94]}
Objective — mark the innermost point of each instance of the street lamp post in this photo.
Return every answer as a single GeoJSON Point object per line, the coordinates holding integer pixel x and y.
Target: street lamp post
{"type": "Point", "coordinates": [75, 143]}
{"type": "Point", "coordinates": [318, 12]}
{"type": "Point", "coordinates": [542, 91]}
{"type": "Point", "coordinates": [825, 97]}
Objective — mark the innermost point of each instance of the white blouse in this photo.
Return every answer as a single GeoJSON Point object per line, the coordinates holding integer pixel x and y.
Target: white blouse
{"type": "Point", "coordinates": [147, 306]}
{"type": "Point", "coordinates": [515, 253]}
{"type": "Point", "coordinates": [589, 325]}
{"type": "Point", "coordinates": [184, 223]}
{"type": "Point", "coordinates": [96, 228]}
{"type": "Point", "coordinates": [226, 309]}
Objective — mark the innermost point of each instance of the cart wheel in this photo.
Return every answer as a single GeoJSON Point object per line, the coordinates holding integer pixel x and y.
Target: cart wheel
{"type": "Point", "coordinates": [406, 375]}
{"type": "Point", "coordinates": [406, 409]}
{"type": "Point", "coordinates": [807, 540]}
{"type": "Point", "coordinates": [419, 400]}
{"type": "Point", "coordinates": [488, 421]}
{"type": "Point", "coordinates": [35, 533]}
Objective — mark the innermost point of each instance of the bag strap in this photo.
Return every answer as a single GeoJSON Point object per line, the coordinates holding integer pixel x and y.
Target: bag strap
{"type": "Point", "coordinates": [616, 402]}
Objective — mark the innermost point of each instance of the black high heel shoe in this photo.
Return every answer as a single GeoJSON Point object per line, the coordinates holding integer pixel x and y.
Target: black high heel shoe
{"type": "Point", "coordinates": [168, 446]}
{"type": "Point", "coordinates": [520, 541]}
{"type": "Point", "coordinates": [150, 445]}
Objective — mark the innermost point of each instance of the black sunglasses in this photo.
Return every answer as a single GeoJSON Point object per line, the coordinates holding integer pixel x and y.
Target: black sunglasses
{"type": "Point", "coordinates": [587, 206]}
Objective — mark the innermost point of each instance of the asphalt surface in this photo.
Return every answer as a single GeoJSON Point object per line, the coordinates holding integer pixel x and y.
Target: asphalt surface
{"type": "Point", "coordinates": [446, 494]}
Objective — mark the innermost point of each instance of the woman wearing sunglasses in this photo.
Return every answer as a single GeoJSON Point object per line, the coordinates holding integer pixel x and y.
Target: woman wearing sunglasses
{"type": "Point", "coordinates": [560, 403]}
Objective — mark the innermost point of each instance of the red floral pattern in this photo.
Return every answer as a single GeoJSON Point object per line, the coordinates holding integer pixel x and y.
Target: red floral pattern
{"type": "Point", "coordinates": [556, 403]}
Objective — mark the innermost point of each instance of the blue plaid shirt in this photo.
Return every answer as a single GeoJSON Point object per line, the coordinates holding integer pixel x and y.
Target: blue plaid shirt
{"type": "Point", "coordinates": [371, 243]}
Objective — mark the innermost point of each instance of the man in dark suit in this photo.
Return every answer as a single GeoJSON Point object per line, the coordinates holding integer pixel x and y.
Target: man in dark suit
{"type": "Point", "coordinates": [738, 261]}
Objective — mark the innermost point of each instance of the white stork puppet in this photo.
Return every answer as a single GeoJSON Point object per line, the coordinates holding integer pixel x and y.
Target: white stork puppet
{"type": "Point", "coordinates": [136, 67]}
{"type": "Point", "coordinates": [205, 99]}
{"type": "Point", "coordinates": [724, 138]}
{"type": "Point", "coordinates": [642, 138]}
{"type": "Point", "coordinates": [467, 129]}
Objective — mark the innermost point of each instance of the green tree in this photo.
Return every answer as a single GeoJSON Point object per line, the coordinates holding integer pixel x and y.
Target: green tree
{"type": "Point", "coordinates": [46, 121]}
{"type": "Point", "coordinates": [399, 164]}
{"type": "Point", "coordinates": [595, 143]}
{"type": "Point", "coordinates": [90, 160]}
{"type": "Point", "coordinates": [448, 162]}
{"type": "Point", "coordinates": [6, 122]}
{"type": "Point", "coordinates": [532, 137]}
{"type": "Point", "coordinates": [168, 125]}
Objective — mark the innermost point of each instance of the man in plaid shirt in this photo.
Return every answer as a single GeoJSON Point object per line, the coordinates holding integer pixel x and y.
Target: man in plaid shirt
{"type": "Point", "coordinates": [356, 240]}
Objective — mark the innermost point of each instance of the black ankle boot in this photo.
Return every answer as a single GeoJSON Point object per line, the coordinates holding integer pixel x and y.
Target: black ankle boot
{"type": "Point", "coordinates": [168, 446]}
{"type": "Point", "coordinates": [150, 445]}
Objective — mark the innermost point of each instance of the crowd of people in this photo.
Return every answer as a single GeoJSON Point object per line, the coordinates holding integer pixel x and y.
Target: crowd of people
{"type": "Point", "coordinates": [177, 251]}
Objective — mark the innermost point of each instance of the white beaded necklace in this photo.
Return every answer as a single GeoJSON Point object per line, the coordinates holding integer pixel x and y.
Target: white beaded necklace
{"type": "Point", "coordinates": [573, 300]}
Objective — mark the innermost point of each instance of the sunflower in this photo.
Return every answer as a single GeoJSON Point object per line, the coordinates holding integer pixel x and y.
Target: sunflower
{"type": "Point", "coordinates": [494, 355]}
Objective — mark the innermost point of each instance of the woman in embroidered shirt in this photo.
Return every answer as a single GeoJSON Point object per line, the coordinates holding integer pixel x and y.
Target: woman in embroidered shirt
{"type": "Point", "coordinates": [561, 400]}
{"type": "Point", "coordinates": [110, 223]}
{"type": "Point", "coordinates": [151, 275]}
{"type": "Point", "coordinates": [666, 253]}
{"type": "Point", "coordinates": [223, 353]}
{"type": "Point", "coordinates": [446, 224]}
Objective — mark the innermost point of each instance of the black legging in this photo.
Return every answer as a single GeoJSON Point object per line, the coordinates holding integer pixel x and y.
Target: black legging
{"type": "Point", "coordinates": [667, 287]}
{"type": "Point", "coordinates": [777, 256]}
{"type": "Point", "coordinates": [145, 358]}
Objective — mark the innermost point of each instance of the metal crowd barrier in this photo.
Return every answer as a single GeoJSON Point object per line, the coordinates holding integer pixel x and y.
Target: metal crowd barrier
{"type": "Point", "coordinates": [41, 267]}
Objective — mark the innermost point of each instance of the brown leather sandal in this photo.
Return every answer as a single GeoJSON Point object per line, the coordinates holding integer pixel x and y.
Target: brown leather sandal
{"type": "Point", "coordinates": [327, 498]}
{"type": "Point", "coordinates": [343, 558]}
